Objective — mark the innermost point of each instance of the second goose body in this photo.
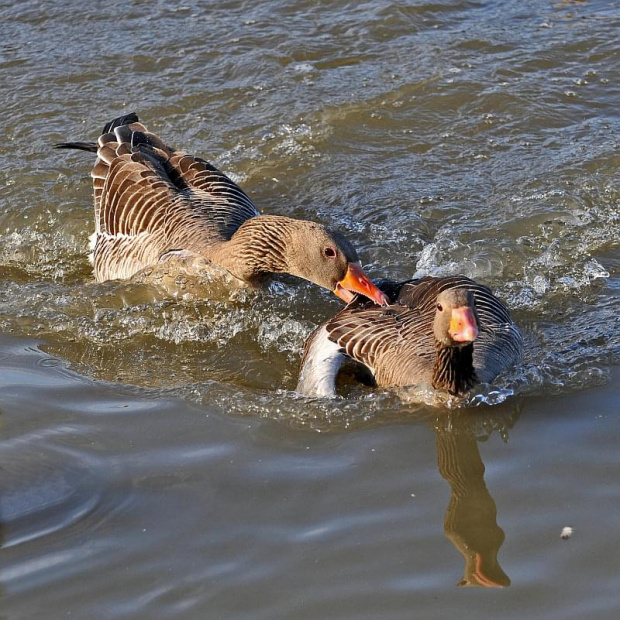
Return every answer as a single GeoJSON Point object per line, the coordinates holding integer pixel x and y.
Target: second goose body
{"type": "Point", "coordinates": [449, 332]}
{"type": "Point", "coordinates": [154, 202]}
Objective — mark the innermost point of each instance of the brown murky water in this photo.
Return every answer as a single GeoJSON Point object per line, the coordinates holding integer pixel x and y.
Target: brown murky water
{"type": "Point", "coordinates": [155, 461]}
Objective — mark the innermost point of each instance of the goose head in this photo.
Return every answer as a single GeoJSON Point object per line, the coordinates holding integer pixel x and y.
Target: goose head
{"type": "Point", "coordinates": [456, 324]}
{"type": "Point", "coordinates": [326, 257]}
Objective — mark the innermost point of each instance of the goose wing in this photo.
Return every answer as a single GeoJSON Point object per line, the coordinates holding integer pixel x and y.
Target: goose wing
{"type": "Point", "coordinates": [499, 344]}
{"type": "Point", "coordinates": [127, 150]}
{"type": "Point", "coordinates": [395, 343]}
{"type": "Point", "coordinates": [151, 198]}
{"type": "Point", "coordinates": [320, 364]}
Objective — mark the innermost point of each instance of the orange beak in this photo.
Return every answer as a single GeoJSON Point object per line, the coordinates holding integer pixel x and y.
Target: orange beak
{"type": "Point", "coordinates": [481, 579]}
{"type": "Point", "coordinates": [356, 281]}
{"type": "Point", "coordinates": [463, 325]}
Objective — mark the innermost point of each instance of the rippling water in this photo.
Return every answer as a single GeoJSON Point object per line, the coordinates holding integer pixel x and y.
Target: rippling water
{"type": "Point", "coordinates": [157, 462]}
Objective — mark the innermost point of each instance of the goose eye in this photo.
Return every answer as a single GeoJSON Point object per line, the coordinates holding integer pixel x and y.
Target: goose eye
{"type": "Point", "coordinates": [330, 252]}
{"type": "Point", "coordinates": [440, 307]}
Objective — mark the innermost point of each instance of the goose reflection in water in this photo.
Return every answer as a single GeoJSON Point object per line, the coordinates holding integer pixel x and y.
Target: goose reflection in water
{"type": "Point", "coordinates": [2, 527]}
{"type": "Point", "coordinates": [471, 517]}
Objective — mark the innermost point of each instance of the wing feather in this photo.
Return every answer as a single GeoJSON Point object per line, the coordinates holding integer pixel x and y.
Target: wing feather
{"type": "Point", "coordinates": [153, 198]}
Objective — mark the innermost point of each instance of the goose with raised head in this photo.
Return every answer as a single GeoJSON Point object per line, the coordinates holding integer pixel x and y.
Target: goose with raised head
{"type": "Point", "coordinates": [449, 332]}
{"type": "Point", "coordinates": [154, 203]}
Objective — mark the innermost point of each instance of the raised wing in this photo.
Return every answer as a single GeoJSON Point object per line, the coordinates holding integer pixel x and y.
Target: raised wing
{"type": "Point", "coordinates": [141, 184]}
{"type": "Point", "coordinates": [151, 198]}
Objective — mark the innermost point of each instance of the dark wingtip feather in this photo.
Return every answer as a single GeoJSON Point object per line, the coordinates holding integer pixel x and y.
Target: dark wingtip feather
{"type": "Point", "coordinates": [127, 119]}
{"type": "Point", "coordinates": [91, 147]}
{"type": "Point", "coordinates": [138, 138]}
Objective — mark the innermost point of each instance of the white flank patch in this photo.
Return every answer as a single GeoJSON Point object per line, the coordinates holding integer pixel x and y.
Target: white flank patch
{"type": "Point", "coordinates": [321, 366]}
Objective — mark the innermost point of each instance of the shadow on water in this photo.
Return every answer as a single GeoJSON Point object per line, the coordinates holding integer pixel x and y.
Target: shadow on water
{"type": "Point", "coordinates": [470, 522]}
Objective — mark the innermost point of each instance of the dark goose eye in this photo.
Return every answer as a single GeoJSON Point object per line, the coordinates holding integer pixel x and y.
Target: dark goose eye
{"type": "Point", "coordinates": [440, 307]}
{"type": "Point", "coordinates": [330, 252]}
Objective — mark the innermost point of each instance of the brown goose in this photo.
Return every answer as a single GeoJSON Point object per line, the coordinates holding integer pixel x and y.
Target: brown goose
{"type": "Point", "coordinates": [450, 332]}
{"type": "Point", "coordinates": [154, 203]}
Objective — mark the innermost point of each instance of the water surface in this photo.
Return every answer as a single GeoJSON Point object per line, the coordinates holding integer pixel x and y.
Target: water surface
{"type": "Point", "coordinates": [156, 461]}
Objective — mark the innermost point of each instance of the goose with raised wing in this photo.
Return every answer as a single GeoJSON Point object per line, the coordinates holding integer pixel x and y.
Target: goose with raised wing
{"type": "Point", "coordinates": [154, 203]}
{"type": "Point", "coordinates": [449, 332]}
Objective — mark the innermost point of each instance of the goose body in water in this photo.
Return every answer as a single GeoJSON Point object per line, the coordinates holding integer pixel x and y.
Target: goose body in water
{"type": "Point", "coordinates": [154, 203]}
{"type": "Point", "coordinates": [449, 332]}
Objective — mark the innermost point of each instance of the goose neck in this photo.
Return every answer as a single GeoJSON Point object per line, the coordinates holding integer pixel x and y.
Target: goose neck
{"type": "Point", "coordinates": [454, 368]}
{"type": "Point", "coordinates": [257, 248]}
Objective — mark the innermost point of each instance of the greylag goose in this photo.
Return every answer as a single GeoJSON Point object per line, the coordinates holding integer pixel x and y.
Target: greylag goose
{"type": "Point", "coordinates": [449, 332]}
{"type": "Point", "coordinates": [154, 203]}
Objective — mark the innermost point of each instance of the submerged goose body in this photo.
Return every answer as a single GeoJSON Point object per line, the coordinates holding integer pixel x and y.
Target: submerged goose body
{"type": "Point", "coordinates": [154, 203]}
{"type": "Point", "coordinates": [449, 332]}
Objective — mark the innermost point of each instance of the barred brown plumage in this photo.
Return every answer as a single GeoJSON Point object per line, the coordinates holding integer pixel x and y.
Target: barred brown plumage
{"type": "Point", "coordinates": [154, 202]}
{"type": "Point", "coordinates": [416, 339]}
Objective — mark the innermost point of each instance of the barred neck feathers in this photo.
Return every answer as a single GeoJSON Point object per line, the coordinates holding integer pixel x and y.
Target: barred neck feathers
{"type": "Point", "coordinates": [454, 368]}
{"type": "Point", "coordinates": [258, 247]}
